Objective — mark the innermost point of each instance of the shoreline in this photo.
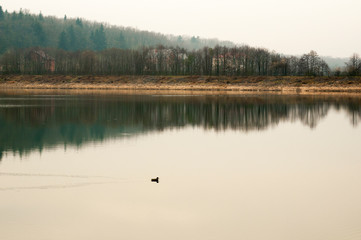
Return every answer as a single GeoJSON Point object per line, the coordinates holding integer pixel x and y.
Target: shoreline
{"type": "Point", "coordinates": [252, 84]}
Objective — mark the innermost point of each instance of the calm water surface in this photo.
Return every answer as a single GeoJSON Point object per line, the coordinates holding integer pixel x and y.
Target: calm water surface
{"type": "Point", "coordinates": [231, 167]}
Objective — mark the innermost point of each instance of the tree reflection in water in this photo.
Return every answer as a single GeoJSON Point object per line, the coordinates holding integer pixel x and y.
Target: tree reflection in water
{"type": "Point", "coordinates": [33, 122]}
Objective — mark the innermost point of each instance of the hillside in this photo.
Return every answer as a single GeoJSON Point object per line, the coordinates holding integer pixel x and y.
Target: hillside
{"type": "Point", "coordinates": [23, 29]}
{"type": "Point", "coordinates": [334, 63]}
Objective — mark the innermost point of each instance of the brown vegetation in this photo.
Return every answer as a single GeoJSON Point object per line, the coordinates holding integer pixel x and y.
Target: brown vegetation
{"type": "Point", "coordinates": [296, 84]}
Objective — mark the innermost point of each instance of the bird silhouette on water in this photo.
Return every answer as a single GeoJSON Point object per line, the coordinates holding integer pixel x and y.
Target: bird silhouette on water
{"type": "Point", "coordinates": [155, 179]}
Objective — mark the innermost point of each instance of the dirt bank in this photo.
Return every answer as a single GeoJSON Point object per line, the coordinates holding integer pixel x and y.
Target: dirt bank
{"type": "Point", "coordinates": [289, 84]}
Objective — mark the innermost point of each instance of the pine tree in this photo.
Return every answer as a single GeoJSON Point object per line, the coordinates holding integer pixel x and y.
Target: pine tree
{"type": "Point", "coordinates": [72, 38]}
{"type": "Point", "coordinates": [122, 43]}
{"type": "Point", "coordinates": [3, 37]}
{"type": "Point", "coordinates": [63, 41]}
{"type": "Point", "coordinates": [99, 38]}
{"type": "Point", "coordinates": [179, 39]}
{"type": "Point", "coordinates": [79, 22]}
{"type": "Point", "coordinates": [1, 14]}
{"type": "Point", "coordinates": [39, 33]}
{"type": "Point", "coordinates": [20, 14]}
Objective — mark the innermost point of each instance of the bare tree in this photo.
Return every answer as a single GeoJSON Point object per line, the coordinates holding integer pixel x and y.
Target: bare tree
{"type": "Point", "coordinates": [353, 66]}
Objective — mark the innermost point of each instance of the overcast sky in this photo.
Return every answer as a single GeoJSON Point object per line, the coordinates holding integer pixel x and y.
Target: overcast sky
{"type": "Point", "coordinates": [330, 27]}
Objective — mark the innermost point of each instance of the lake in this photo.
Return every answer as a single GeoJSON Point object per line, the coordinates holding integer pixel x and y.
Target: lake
{"type": "Point", "coordinates": [78, 165]}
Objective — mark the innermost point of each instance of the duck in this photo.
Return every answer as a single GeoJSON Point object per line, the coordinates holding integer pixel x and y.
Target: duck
{"type": "Point", "coordinates": [155, 180]}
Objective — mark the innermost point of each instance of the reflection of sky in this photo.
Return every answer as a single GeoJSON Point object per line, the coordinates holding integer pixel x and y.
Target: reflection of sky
{"type": "Point", "coordinates": [287, 182]}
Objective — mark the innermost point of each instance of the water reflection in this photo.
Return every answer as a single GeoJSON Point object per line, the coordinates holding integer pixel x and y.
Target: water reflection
{"type": "Point", "coordinates": [32, 122]}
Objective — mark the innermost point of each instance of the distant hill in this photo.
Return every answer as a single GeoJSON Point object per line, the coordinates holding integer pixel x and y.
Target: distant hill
{"type": "Point", "coordinates": [334, 63]}
{"type": "Point", "coordinates": [22, 30]}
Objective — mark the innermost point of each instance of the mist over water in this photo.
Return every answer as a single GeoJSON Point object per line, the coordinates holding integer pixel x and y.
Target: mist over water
{"type": "Point", "coordinates": [79, 166]}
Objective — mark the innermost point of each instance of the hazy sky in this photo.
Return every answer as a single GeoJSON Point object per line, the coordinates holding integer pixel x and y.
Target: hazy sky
{"type": "Point", "coordinates": [330, 27]}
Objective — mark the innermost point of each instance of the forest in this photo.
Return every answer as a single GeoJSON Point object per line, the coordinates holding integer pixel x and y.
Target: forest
{"type": "Point", "coordinates": [34, 44]}
{"type": "Point", "coordinates": [20, 30]}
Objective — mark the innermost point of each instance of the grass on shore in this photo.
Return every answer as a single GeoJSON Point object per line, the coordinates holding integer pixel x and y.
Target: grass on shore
{"type": "Point", "coordinates": [250, 83]}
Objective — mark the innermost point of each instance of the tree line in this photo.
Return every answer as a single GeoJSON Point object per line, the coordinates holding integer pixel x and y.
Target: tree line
{"type": "Point", "coordinates": [161, 60]}
{"type": "Point", "coordinates": [76, 46]}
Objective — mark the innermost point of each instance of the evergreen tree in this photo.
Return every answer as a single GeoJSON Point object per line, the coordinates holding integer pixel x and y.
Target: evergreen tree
{"type": "Point", "coordinates": [39, 33]}
{"type": "Point", "coordinates": [122, 43]}
{"type": "Point", "coordinates": [179, 39]}
{"type": "Point", "coordinates": [14, 16]}
{"type": "Point", "coordinates": [3, 37]}
{"type": "Point", "coordinates": [99, 39]}
{"type": "Point", "coordinates": [72, 38]}
{"type": "Point", "coordinates": [20, 14]}
{"type": "Point", "coordinates": [195, 40]}
{"type": "Point", "coordinates": [63, 41]}
{"type": "Point", "coordinates": [1, 14]}
{"type": "Point", "coordinates": [92, 37]}
{"type": "Point", "coordinates": [79, 22]}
